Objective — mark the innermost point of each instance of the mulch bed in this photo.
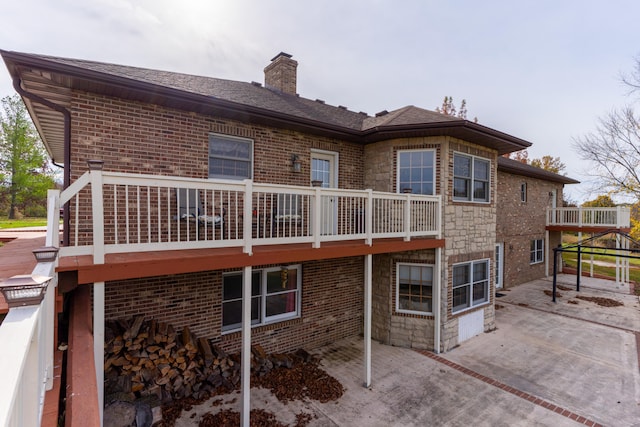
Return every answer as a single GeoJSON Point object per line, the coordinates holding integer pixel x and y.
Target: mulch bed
{"type": "Point", "coordinates": [304, 380]}
{"type": "Point", "coordinates": [603, 302]}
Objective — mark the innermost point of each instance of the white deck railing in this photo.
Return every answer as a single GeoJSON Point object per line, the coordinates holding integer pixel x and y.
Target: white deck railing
{"type": "Point", "coordinates": [114, 212]}
{"type": "Point", "coordinates": [26, 357]}
{"type": "Point", "coordinates": [616, 217]}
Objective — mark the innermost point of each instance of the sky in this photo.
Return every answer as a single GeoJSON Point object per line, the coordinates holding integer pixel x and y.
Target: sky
{"type": "Point", "coordinates": [544, 71]}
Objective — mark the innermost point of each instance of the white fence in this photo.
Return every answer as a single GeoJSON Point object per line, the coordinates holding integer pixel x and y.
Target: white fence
{"type": "Point", "coordinates": [26, 357]}
{"type": "Point", "coordinates": [616, 217]}
{"type": "Point", "coordinates": [120, 212]}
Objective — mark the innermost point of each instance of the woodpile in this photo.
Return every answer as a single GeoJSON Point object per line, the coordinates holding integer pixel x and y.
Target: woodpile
{"type": "Point", "coordinates": [150, 359]}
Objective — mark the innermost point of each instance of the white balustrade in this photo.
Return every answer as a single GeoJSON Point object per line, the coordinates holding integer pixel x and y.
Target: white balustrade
{"type": "Point", "coordinates": [150, 213]}
{"type": "Point", "coordinates": [615, 217]}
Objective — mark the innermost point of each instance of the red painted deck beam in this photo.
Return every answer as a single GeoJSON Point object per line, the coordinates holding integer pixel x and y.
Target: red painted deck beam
{"type": "Point", "coordinates": [148, 264]}
{"type": "Point", "coordinates": [82, 392]}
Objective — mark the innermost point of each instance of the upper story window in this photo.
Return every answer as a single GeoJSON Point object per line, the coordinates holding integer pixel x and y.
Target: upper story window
{"type": "Point", "coordinates": [414, 288]}
{"type": "Point", "coordinates": [416, 171]}
{"type": "Point", "coordinates": [523, 192]}
{"type": "Point", "coordinates": [470, 178]}
{"type": "Point", "coordinates": [230, 157]}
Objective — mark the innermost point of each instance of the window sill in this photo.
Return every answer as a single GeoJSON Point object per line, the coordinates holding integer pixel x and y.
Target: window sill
{"type": "Point", "coordinates": [465, 310]}
{"type": "Point", "coordinates": [265, 325]}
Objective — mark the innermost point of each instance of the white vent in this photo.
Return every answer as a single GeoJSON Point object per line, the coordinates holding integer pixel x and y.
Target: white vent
{"type": "Point", "coordinates": [470, 325]}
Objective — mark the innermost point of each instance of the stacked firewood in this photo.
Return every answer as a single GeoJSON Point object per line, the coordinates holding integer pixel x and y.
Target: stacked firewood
{"type": "Point", "coordinates": [150, 358]}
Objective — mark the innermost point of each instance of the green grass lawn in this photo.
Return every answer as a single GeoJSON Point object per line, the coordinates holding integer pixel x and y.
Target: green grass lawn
{"type": "Point", "coordinates": [25, 222]}
{"type": "Point", "coordinates": [607, 258]}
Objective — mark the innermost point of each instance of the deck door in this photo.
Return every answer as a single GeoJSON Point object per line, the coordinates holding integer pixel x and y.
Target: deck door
{"type": "Point", "coordinates": [324, 168]}
{"type": "Point", "coordinates": [499, 265]}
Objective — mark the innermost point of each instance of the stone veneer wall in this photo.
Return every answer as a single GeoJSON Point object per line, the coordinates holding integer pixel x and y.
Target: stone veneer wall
{"type": "Point", "coordinates": [388, 326]}
{"type": "Point", "coordinates": [518, 223]}
{"type": "Point", "coordinates": [470, 232]}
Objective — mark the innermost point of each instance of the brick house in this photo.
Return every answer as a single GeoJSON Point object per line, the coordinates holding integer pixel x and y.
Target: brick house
{"type": "Point", "coordinates": [336, 222]}
{"type": "Point", "coordinates": [524, 243]}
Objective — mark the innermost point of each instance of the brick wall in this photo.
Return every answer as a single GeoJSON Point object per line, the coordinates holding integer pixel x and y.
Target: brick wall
{"type": "Point", "coordinates": [518, 223]}
{"type": "Point", "coordinates": [143, 138]}
{"type": "Point", "coordinates": [332, 305]}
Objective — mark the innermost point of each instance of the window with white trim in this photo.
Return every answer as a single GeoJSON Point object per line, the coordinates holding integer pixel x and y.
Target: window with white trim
{"type": "Point", "coordinates": [523, 192]}
{"type": "Point", "coordinates": [470, 178]}
{"type": "Point", "coordinates": [537, 251]}
{"type": "Point", "coordinates": [416, 171]}
{"type": "Point", "coordinates": [275, 296]}
{"type": "Point", "coordinates": [414, 288]}
{"type": "Point", "coordinates": [470, 285]}
{"type": "Point", "coordinates": [230, 157]}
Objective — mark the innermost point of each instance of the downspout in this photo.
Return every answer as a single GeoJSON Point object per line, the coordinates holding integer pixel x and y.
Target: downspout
{"type": "Point", "coordinates": [17, 85]}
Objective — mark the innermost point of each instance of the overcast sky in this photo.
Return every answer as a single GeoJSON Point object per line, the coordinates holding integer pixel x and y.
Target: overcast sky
{"type": "Point", "coordinates": [540, 70]}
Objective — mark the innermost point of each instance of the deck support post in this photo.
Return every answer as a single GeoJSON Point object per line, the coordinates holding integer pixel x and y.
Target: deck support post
{"type": "Point", "coordinates": [367, 319]}
{"type": "Point", "coordinates": [436, 301]}
{"type": "Point", "coordinates": [246, 348]}
{"type": "Point", "coordinates": [98, 341]}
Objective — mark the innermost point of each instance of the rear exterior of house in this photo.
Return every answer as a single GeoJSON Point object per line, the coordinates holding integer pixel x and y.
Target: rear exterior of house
{"type": "Point", "coordinates": [524, 244]}
{"type": "Point", "coordinates": [339, 223]}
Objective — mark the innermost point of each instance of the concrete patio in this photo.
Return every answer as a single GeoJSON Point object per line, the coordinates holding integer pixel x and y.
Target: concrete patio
{"type": "Point", "coordinates": [546, 364]}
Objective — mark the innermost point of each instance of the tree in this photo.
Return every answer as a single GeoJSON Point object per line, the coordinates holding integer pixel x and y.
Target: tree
{"type": "Point", "coordinates": [613, 149]}
{"type": "Point", "coordinates": [25, 174]}
{"type": "Point", "coordinates": [448, 108]}
{"type": "Point", "coordinates": [548, 163]}
{"type": "Point", "coordinates": [602, 201]}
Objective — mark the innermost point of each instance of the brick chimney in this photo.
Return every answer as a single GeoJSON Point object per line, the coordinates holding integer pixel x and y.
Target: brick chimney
{"type": "Point", "coordinates": [281, 74]}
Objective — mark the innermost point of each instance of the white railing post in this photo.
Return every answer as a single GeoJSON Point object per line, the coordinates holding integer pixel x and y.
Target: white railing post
{"type": "Point", "coordinates": [407, 218]}
{"type": "Point", "coordinates": [53, 218]}
{"type": "Point", "coordinates": [97, 209]}
{"type": "Point", "coordinates": [248, 220]}
{"type": "Point", "coordinates": [317, 220]}
{"type": "Point", "coordinates": [439, 224]}
{"type": "Point", "coordinates": [369, 217]}
{"type": "Point", "coordinates": [580, 217]}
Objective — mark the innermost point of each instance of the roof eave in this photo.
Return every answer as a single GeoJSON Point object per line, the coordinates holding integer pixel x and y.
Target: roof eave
{"type": "Point", "coordinates": [462, 129]}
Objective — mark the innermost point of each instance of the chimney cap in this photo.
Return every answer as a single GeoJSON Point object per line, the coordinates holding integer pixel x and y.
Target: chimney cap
{"type": "Point", "coordinates": [286, 55]}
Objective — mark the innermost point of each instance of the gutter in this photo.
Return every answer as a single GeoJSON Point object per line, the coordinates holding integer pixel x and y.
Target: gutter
{"type": "Point", "coordinates": [17, 85]}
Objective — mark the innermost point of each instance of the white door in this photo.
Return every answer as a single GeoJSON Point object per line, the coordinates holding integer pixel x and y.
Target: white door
{"type": "Point", "coordinates": [324, 168]}
{"type": "Point", "coordinates": [499, 265]}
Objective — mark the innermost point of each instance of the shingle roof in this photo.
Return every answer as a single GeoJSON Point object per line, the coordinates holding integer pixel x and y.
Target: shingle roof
{"type": "Point", "coordinates": [240, 100]}
{"type": "Point", "coordinates": [518, 168]}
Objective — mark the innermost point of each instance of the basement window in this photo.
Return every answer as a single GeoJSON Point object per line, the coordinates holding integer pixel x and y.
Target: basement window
{"type": "Point", "coordinates": [537, 251]}
{"type": "Point", "coordinates": [414, 288]}
{"type": "Point", "coordinates": [470, 285]}
{"type": "Point", "coordinates": [275, 296]}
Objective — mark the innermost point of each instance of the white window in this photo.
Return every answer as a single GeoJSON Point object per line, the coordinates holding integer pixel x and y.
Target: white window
{"type": "Point", "coordinates": [230, 157]}
{"type": "Point", "coordinates": [416, 171]}
{"type": "Point", "coordinates": [470, 178]}
{"type": "Point", "coordinates": [470, 285]}
{"type": "Point", "coordinates": [275, 296]}
{"type": "Point", "coordinates": [537, 251]}
{"type": "Point", "coordinates": [523, 192]}
{"type": "Point", "coordinates": [414, 288]}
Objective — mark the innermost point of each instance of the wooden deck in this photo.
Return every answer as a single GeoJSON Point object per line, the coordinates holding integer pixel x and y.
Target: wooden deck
{"type": "Point", "coordinates": [148, 264]}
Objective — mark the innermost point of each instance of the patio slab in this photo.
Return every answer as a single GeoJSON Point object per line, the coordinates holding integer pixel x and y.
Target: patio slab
{"type": "Point", "coordinates": [545, 365]}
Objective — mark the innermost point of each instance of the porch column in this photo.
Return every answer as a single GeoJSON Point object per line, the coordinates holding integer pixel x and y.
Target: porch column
{"type": "Point", "coordinates": [436, 301]}
{"type": "Point", "coordinates": [97, 211]}
{"type": "Point", "coordinates": [547, 246]}
{"type": "Point", "coordinates": [246, 348]}
{"type": "Point", "coordinates": [367, 319]}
